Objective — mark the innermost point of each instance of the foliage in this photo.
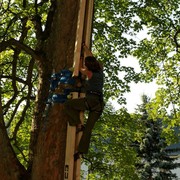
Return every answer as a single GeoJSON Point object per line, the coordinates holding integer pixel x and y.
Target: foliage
{"type": "Point", "coordinates": [18, 93]}
{"type": "Point", "coordinates": [154, 161]}
{"type": "Point", "coordinates": [159, 55]}
{"type": "Point", "coordinates": [113, 21]}
{"type": "Point", "coordinates": [18, 72]}
{"type": "Point", "coordinates": [122, 25]}
{"type": "Point", "coordinates": [111, 155]}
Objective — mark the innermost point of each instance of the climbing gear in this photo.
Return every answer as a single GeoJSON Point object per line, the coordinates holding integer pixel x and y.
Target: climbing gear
{"type": "Point", "coordinates": [98, 108]}
{"type": "Point", "coordinates": [95, 93]}
{"type": "Point", "coordinates": [62, 84]}
{"type": "Point", "coordinates": [100, 94]}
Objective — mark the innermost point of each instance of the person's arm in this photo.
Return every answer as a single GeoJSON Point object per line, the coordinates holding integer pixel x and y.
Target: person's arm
{"type": "Point", "coordinates": [86, 72]}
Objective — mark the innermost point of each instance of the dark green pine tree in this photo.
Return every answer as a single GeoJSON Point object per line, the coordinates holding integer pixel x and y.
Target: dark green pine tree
{"type": "Point", "coordinates": [155, 163]}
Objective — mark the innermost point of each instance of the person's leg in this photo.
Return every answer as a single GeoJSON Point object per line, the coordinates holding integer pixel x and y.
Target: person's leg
{"type": "Point", "coordinates": [73, 108]}
{"type": "Point", "coordinates": [96, 109]}
{"type": "Point", "coordinates": [86, 136]}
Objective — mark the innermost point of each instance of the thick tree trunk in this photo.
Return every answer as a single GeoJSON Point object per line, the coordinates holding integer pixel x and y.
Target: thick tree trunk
{"type": "Point", "coordinates": [49, 159]}
{"type": "Point", "coordinates": [48, 140]}
{"type": "Point", "coordinates": [48, 162]}
{"type": "Point", "coordinates": [10, 167]}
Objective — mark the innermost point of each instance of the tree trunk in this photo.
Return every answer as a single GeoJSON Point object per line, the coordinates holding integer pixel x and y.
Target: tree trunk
{"type": "Point", "coordinates": [10, 168]}
{"type": "Point", "coordinates": [48, 137]}
{"type": "Point", "coordinates": [49, 158]}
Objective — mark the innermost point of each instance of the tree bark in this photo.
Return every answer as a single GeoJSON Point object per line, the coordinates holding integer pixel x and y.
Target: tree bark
{"type": "Point", "coordinates": [49, 158]}
{"type": "Point", "coordinates": [48, 136]}
{"type": "Point", "coordinates": [50, 152]}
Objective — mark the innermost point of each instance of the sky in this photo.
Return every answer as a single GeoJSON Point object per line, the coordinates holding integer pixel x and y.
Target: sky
{"type": "Point", "coordinates": [137, 90]}
{"type": "Point", "coordinates": [133, 98]}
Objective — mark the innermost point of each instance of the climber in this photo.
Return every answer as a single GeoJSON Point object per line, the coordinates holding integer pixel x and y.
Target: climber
{"type": "Point", "coordinates": [92, 102]}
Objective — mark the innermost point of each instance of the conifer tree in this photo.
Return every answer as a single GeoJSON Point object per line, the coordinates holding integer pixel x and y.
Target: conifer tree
{"type": "Point", "coordinates": [155, 163]}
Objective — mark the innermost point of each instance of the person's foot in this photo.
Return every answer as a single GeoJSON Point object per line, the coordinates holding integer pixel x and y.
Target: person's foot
{"type": "Point", "coordinates": [79, 128]}
{"type": "Point", "coordinates": [77, 156]}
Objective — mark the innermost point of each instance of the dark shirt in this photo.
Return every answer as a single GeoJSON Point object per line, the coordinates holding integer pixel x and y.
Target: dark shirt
{"type": "Point", "coordinates": [95, 84]}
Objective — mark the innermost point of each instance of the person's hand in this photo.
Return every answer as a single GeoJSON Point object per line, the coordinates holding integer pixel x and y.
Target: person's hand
{"type": "Point", "coordinates": [84, 46]}
{"type": "Point", "coordinates": [86, 50]}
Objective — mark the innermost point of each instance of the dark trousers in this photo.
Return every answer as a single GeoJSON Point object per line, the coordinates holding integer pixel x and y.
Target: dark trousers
{"type": "Point", "coordinates": [95, 106]}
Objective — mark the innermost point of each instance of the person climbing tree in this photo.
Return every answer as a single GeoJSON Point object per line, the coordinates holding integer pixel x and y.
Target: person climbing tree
{"type": "Point", "coordinates": [93, 101]}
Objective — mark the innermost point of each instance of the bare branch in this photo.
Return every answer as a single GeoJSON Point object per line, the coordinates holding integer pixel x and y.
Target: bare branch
{"type": "Point", "coordinates": [176, 39]}
{"type": "Point", "coordinates": [16, 78]}
{"type": "Point", "coordinates": [21, 152]}
{"type": "Point", "coordinates": [49, 20]}
{"type": "Point", "coordinates": [13, 42]}
{"type": "Point", "coordinates": [21, 120]}
{"type": "Point", "coordinates": [15, 111]}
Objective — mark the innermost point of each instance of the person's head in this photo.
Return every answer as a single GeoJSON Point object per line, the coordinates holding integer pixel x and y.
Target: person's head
{"type": "Point", "coordinates": [92, 64]}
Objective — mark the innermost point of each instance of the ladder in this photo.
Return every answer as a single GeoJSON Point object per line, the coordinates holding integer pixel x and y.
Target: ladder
{"type": "Point", "coordinates": [72, 168]}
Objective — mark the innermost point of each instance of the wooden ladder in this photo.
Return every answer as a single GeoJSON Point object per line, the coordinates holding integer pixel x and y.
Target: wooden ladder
{"type": "Point", "coordinates": [72, 169]}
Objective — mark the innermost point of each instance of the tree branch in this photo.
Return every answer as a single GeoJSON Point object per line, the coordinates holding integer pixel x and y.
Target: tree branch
{"type": "Point", "coordinates": [21, 152]}
{"type": "Point", "coordinates": [21, 120]}
{"type": "Point", "coordinates": [176, 39]}
{"type": "Point", "coordinates": [15, 111]}
{"type": "Point", "coordinates": [49, 20]}
{"type": "Point", "coordinates": [16, 78]}
{"type": "Point", "coordinates": [13, 42]}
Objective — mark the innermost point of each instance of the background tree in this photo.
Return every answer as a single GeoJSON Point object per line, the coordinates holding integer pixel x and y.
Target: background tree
{"type": "Point", "coordinates": [158, 56]}
{"type": "Point", "coordinates": [154, 161]}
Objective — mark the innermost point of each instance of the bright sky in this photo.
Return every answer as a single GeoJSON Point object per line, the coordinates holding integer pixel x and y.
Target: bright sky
{"type": "Point", "coordinates": [137, 90]}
